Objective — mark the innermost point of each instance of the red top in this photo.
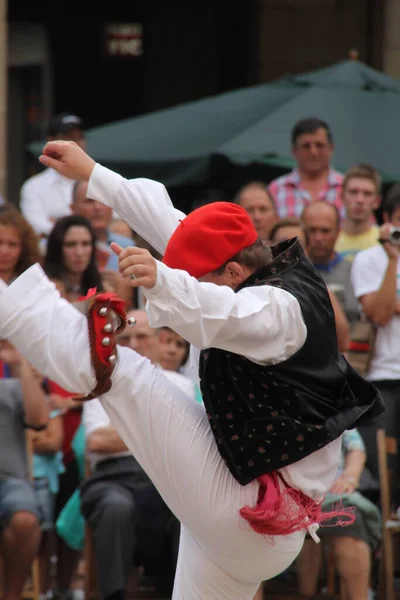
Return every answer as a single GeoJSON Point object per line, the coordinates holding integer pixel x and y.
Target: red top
{"type": "Point", "coordinates": [71, 422]}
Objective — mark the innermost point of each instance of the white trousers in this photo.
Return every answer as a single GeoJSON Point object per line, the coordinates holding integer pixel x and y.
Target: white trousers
{"type": "Point", "coordinates": [220, 556]}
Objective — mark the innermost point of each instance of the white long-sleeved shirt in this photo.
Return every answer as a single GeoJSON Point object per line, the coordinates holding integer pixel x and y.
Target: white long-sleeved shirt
{"type": "Point", "coordinates": [44, 198]}
{"type": "Point", "coordinates": [263, 323]}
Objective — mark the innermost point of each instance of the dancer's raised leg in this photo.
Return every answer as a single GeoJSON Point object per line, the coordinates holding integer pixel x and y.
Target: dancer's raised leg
{"type": "Point", "coordinates": [167, 432]}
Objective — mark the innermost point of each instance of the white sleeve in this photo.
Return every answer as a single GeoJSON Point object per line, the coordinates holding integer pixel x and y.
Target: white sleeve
{"type": "Point", "coordinates": [47, 330]}
{"type": "Point", "coordinates": [263, 323]}
{"type": "Point", "coordinates": [94, 417]}
{"type": "Point", "coordinates": [143, 203]}
{"type": "Point", "coordinates": [366, 274]}
{"type": "Point", "coordinates": [31, 206]}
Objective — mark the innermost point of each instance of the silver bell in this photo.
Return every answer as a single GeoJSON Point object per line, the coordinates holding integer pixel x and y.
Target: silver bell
{"type": "Point", "coordinates": [103, 311]}
{"type": "Point", "coordinates": [105, 341]}
{"type": "Point", "coordinates": [112, 359]}
{"type": "Point", "coordinates": [131, 321]}
{"type": "Point", "coordinates": [107, 328]}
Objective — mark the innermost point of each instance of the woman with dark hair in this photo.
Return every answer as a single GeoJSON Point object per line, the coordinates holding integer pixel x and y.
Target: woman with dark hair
{"type": "Point", "coordinates": [71, 249]}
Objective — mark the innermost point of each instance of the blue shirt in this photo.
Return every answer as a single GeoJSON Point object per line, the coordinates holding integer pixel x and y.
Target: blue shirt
{"type": "Point", "coordinates": [122, 241]}
{"type": "Point", "coordinates": [351, 440]}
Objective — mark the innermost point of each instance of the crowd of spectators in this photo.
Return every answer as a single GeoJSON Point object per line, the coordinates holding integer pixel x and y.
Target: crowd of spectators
{"type": "Point", "coordinates": [75, 451]}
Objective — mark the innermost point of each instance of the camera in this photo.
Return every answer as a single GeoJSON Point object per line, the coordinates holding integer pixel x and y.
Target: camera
{"type": "Point", "coordinates": [394, 236]}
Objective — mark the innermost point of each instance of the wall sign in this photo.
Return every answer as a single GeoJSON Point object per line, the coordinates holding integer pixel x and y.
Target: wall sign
{"type": "Point", "coordinates": [123, 40]}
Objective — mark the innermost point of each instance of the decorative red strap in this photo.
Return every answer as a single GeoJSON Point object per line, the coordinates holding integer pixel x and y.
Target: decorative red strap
{"type": "Point", "coordinates": [106, 318]}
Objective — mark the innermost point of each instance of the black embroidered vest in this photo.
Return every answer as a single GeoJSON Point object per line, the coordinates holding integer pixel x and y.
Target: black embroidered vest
{"type": "Point", "coordinates": [266, 417]}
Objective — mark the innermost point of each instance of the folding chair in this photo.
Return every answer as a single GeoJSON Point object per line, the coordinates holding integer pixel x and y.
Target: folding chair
{"type": "Point", "coordinates": [387, 446]}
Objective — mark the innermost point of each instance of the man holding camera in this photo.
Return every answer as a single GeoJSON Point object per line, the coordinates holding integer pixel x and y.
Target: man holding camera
{"type": "Point", "coordinates": [376, 281]}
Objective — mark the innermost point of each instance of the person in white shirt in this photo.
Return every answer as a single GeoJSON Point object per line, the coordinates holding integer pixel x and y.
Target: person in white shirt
{"type": "Point", "coordinates": [287, 417]}
{"type": "Point", "coordinates": [46, 196]}
{"type": "Point", "coordinates": [376, 280]}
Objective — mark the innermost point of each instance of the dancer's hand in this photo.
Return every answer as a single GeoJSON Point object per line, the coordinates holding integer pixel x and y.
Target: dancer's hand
{"type": "Point", "coordinates": [136, 265]}
{"type": "Point", "coordinates": [68, 159]}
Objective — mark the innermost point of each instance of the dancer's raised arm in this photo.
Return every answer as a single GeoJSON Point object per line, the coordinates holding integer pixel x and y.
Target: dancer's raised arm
{"type": "Point", "coordinates": [143, 203]}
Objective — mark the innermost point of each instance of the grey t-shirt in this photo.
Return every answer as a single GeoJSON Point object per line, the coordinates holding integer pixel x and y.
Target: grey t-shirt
{"type": "Point", "coordinates": [13, 459]}
{"type": "Point", "coordinates": [340, 275]}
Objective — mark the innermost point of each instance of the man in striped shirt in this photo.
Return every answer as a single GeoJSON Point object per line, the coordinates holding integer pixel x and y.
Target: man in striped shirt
{"type": "Point", "coordinates": [313, 179]}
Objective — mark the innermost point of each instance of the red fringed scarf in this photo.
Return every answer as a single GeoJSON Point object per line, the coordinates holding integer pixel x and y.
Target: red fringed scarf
{"type": "Point", "coordinates": [283, 510]}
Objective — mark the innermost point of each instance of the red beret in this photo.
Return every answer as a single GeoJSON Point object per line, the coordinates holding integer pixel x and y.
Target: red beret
{"type": "Point", "coordinates": [208, 237]}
